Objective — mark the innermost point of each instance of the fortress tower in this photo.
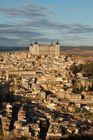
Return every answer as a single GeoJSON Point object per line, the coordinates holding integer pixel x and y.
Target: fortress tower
{"type": "Point", "coordinates": [57, 49]}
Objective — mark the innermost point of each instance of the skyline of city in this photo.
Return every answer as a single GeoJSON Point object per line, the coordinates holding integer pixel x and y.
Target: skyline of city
{"type": "Point", "coordinates": [46, 69]}
{"type": "Point", "coordinates": [24, 21]}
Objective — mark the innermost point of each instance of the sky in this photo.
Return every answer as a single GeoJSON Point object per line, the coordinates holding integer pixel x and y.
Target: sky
{"type": "Point", "coordinates": [24, 21]}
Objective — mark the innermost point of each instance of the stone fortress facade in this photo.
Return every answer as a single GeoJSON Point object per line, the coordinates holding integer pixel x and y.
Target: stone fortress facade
{"type": "Point", "coordinates": [44, 49]}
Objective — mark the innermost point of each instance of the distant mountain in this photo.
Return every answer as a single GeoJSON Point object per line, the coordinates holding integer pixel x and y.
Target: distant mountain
{"type": "Point", "coordinates": [7, 48]}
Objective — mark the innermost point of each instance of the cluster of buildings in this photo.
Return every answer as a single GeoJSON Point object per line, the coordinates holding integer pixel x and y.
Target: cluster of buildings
{"type": "Point", "coordinates": [38, 86]}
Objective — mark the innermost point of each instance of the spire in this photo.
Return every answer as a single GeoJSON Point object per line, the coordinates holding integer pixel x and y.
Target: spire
{"type": "Point", "coordinates": [36, 42]}
{"type": "Point", "coordinates": [57, 43]}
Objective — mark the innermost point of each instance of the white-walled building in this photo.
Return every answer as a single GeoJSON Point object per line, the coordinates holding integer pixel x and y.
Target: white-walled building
{"type": "Point", "coordinates": [51, 49]}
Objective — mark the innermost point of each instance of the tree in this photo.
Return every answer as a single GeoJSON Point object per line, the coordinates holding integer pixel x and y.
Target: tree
{"type": "Point", "coordinates": [88, 69]}
{"type": "Point", "coordinates": [74, 69]}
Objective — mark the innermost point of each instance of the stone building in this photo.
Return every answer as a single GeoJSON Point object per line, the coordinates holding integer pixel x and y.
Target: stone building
{"type": "Point", "coordinates": [44, 49]}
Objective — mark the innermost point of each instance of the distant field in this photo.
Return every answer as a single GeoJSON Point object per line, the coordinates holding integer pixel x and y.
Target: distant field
{"type": "Point", "coordinates": [79, 52]}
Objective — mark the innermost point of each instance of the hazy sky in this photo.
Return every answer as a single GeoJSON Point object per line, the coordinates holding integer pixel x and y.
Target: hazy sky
{"type": "Point", "coordinates": [23, 21]}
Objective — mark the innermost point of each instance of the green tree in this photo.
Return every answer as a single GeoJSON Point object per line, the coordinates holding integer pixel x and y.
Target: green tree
{"type": "Point", "coordinates": [74, 69]}
{"type": "Point", "coordinates": [88, 69]}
